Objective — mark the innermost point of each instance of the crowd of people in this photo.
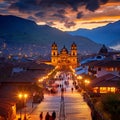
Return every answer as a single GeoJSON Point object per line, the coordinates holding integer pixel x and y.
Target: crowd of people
{"type": "Point", "coordinates": [64, 78]}
{"type": "Point", "coordinates": [48, 116]}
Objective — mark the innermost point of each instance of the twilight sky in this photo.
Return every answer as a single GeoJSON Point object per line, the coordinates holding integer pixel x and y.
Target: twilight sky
{"type": "Point", "coordinates": [66, 15]}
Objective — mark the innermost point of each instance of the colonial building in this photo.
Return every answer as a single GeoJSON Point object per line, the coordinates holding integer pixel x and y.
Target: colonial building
{"type": "Point", "coordinates": [64, 58]}
{"type": "Point", "coordinates": [106, 83]}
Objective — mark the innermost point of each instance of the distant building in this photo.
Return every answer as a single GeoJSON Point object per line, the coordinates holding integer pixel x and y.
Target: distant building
{"type": "Point", "coordinates": [64, 58]}
{"type": "Point", "coordinates": [103, 50]}
{"type": "Point", "coordinates": [100, 68]}
{"type": "Point", "coordinates": [106, 84]}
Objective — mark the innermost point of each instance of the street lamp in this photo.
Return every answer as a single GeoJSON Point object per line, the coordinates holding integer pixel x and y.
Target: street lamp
{"type": "Point", "coordinates": [79, 77]}
{"type": "Point", "coordinates": [20, 97]}
{"type": "Point", "coordinates": [86, 82]}
{"type": "Point", "coordinates": [23, 96]}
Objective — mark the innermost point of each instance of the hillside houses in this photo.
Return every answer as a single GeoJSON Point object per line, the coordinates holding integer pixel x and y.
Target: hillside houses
{"type": "Point", "coordinates": [16, 78]}
{"type": "Point", "coordinates": [102, 67]}
{"type": "Point", "coordinates": [106, 83]}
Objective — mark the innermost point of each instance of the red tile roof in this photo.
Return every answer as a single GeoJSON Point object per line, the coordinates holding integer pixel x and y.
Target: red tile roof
{"type": "Point", "coordinates": [109, 63]}
{"type": "Point", "coordinates": [108, 80]}
{"type": "Point", "coordinates": [104, 63]}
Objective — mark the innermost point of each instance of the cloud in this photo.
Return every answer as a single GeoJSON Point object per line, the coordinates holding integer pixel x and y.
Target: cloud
{"type": "Point", "coordinates": [60, 16]}
{"type": "Point", "coordinates": [97, 22]}
{"type": "Point", "coordinates": [61, 11]}
{"type": "Point", "coordinates": [31, 18]}
{"type": "Point", "coordinates": [50, 23]}
{"type": "Point", "coordinates": [92, 5]}
{"type": "Point", "coordinates": [70, 13]}
{"type": "Point", "coordinates": [79, 15]}
{"type": "Point", "coordinates": [40, 14]}
{"type": "Point", "coordinates": [116, 47]}
{"type": "Point", "coordinates": [69, 24]}
{"type": "Point", "coordinates": [74, 4]}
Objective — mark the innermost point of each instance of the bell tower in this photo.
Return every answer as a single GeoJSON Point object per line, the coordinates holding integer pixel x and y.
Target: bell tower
{"type": "Point", "coordinates": [73, 53]}
{"type": "Point", "coordinates": [73, 49]}
{"type": "Point", "coordinates": [54, 54]}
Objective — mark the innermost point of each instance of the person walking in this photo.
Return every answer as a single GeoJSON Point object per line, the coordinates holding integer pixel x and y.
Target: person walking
{"type": "Point", "coordinates": [47, 117]}
{"type": "Point", "coordinates": [41, 116]}
{"type": "Point", "coordinates": [54, 115]}
{"type": "Point", "coordinates": [72, 89]}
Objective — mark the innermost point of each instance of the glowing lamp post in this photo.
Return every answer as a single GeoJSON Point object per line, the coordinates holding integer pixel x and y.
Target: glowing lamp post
{"type": "Point", "coordinates": [86, 82]}
{"type": "Point", "coordinates": [23, 97]}
{"type": "Point", "coordinates": [20, 97]}
{"type": "Point", "coordinates": [80, 77]}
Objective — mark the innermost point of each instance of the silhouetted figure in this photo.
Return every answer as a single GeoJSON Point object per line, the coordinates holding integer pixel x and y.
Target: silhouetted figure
{"type": "Point", "coordinates": [25, 117]}
{"type": "Point", "coordinates": [53, 115]}
{"type": "Point", "coordinates": [72, 89]}
{"type": "Point", "coordinates": [47, 117]}
{"type": "Point", "coordinates": [41, 115]}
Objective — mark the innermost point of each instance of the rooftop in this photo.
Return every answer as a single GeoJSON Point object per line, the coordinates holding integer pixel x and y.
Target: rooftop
{"type": "Point", "coordinates": [108, 80]}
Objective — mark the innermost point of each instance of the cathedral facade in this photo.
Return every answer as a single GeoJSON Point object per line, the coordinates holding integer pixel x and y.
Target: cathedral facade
{"type": "Point", "coordinates": [64, 58]}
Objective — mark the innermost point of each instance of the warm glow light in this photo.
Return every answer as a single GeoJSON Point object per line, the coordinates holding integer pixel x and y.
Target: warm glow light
{"type": "Point", "coordinates": [87, 81]}
{"type": "Point", "coordinates": [25, 96]}
{"type": "Point", "coordinates": [79, 77]}
{"type": "Point", "coordinates": [20, 96]}
{"type": "Point", "coordinates": [107, 89]}
{"type": "Point", "coordinates": [40, 80]}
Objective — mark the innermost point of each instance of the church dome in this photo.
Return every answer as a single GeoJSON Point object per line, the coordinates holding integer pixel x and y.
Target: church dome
{"type": "Point", "coordinates": [64, 50]}
{"type": "Point", "coordinates": [103, 50]}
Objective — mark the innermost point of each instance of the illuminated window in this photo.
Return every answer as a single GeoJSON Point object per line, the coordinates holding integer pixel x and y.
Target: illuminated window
{"type": "Point", "coordinates": [113, 89]}
{"type": "Point", "coordinates": [103, 90]}
{"type": "Point", "coordinates": [110, 69]}
{"type": "Point", "coordinates": [96, 90]}
{"type": "Point", "coordinates": [107, 89]}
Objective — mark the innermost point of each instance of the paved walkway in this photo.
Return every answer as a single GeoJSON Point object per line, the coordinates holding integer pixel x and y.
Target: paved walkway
{"type": "Point", "coordinates": [73, 106]}
{"type": "Point", "coordinates": [76, 108]}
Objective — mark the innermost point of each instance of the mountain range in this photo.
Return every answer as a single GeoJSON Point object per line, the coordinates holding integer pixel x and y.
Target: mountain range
{"type": "Point", "coordinates": [108, 35]}
{"type": "Point", "coordinates": [16, 31]}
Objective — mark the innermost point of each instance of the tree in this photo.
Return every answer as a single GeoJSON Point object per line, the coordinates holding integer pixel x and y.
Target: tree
{"type": "Point", "coordinates": [111, 104]}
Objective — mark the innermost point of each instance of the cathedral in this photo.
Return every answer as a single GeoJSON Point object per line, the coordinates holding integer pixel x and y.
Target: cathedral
{"type": "Point", "coordinates": [64, 58]}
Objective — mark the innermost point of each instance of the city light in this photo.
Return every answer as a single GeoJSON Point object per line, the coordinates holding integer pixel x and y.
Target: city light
{"type": "Point", "coordinates": [22, 96]}
{"type": "Point", "coordinates": [40, 80]}
{"type": "Point", "coordinates": [25, 96]}
{"type": "Point", "coordinates": [79, 77]}
{"type": "Point", "coordinates": [87, 81]}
